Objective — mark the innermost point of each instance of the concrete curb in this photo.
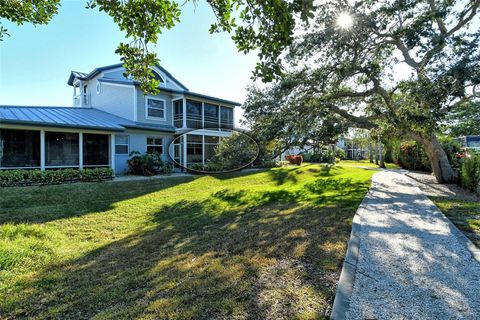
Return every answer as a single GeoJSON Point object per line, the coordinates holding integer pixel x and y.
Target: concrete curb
{"type": "Point", "coordinates": [345, 283]}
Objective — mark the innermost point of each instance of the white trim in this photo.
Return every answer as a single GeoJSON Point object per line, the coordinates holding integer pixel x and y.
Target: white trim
{"type": "Point", "coordinates": [203, 149]}
{"type": "Point", "coordinates": [155, 145]}
{"type": "Point", "coordinates": [55, 129]}
{"type": "Point", "coordinates": [122, 144]}
{"type": "Point", "coordinates": [203, 115]}
{"type": "Point", "coordinates": [42, 150]}
{"type": "Point", "coordinates": [164, 109]}
{"type": "Point", "coordinates": [184, 126]}
{"type": "Point", "coordinates": [112, 152]}
{"type": "Point", "coordinates": [80, 150]}
{"type": "Point", "coordinates": [135, 103]}
{"type": "Point", "coordinates": [162, 75]}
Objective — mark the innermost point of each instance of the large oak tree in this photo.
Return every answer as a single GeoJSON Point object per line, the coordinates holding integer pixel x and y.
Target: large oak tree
{"type": "Point", "coordinates": [401, 68]}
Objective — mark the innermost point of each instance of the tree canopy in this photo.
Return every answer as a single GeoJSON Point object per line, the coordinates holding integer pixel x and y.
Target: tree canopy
{"type": "Point", "coordinates": [263, 25]}
{"type": "Point", "coordinates": [400, 69]}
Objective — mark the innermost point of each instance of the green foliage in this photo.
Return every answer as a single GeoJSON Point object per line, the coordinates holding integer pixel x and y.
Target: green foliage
{"type": "Point", "coordinates": [452, 148]}
{"type": "Point", "coordinates": [147, 164]}
{"type": "Point", "coordinates": [470, 173]}
{"type": "Point", "coordinates": [11, 178]}
{"type": "Point", "coordinates": [271, 164]}
{"type": "Point", "coordinates": [234, 152]}
{"type": "Point", "coordinates": [325, 156]}
{"type": "Point", "coordinates": [464, 120]}
{"type": "Point", "coordinates": [27, 11]}
{"type": "Point", "coordinates": [412, 156]}
{"type": "Point", "coordinates": [352, 72]}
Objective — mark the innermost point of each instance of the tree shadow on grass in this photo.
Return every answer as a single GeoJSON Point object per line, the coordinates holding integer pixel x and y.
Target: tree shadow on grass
{"type": "Point", "coordinates": [234, 255]}
{"type": "Point", "coordinates": [47, 203]}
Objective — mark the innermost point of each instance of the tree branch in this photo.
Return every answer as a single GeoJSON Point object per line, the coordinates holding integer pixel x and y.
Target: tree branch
{"type": "Point", "coordinates": [359, 121]}
{"type": "Point", "coordinates": [440, 23]}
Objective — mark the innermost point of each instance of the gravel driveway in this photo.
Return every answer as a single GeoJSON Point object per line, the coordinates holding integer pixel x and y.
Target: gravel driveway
{"type": "Point", "coordinates": [411, 264]}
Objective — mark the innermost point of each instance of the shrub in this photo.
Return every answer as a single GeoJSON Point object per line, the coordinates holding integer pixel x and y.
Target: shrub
{"type": "Point", "coordinates": [340, 153]}
{"type": "Point", "coordinates": [325, 156]}
{"type": "Point", "coordinates": [452, 148]}
{"type": "Point", "coordinates": [270, 164]}
{"type": "Point", "coordinates": [11, 178]}
{"type": "Point", "coordinates": [412, 156]}
{"type": "Point", "coordinates": [470, 173]}
{"type": "Point", "coordinates": [147, 164]}
{"type": "Point", "coordinates": [234, 152]}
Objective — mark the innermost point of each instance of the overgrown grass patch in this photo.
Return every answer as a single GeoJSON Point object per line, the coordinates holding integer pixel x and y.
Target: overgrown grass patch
{"type": "Point", "coordinates": [463, 213]}
{"type": "Point", "coordinates": [265, 244]}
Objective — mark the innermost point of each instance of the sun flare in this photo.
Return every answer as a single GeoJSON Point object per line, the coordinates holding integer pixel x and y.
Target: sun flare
{"type": "Point", "coordinates": [344, 20]}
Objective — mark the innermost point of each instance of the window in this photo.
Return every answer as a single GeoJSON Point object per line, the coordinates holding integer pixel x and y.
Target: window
{"type": "Point", "coordinates": [154, 145]}
{"type": "Point", "coordinates": [157, 76]}
{"type": "Point", "coordinates": [178, 113]}
{"type": "Point", "coordinates": [211, 116]}
{"type": "Point", "coordinates": [61, 149]}
{"type": "Point", "coordinates": [226, 117]}
{"type": "Point", "coordinates": [122, 144]}
{"type": "Point", "coordinates": [85, 94]}
{"type": "Point", "coordinates": [155, 108]}
{"type": "Point", "coordinates": [19, 148]}
{"type": "Point", "coordinates": [95, 150]}
{"type": "Point", "coordinates": [99, 87]}
{"type": "Point", "coordinates": [194, 149]}
{"type": "Point", "coordinates": [211, 143]}
{"type": "Point", "coordinates": [194, 114]}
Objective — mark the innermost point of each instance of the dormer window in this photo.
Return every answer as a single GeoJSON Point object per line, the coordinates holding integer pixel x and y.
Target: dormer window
{"type": "Point", "coordinates": [155, 109]}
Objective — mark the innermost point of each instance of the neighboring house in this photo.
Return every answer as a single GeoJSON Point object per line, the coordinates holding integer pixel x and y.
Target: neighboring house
{"type": "Point", "coordinates": [110, 118]}
{"type": "Point", "coordinates": [470, 142]}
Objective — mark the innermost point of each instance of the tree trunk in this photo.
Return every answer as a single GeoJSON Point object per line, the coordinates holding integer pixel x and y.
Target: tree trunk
{"type": "Point", "coordinates": [370, 151]}
{"type": "Point", "coordinates": [380, 154]}
{"type": "Point", "coordinates": [438, 158]}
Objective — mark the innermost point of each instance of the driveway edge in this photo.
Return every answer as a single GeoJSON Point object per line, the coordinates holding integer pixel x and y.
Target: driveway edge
{"type": "Point", "coordinates": [347, 275]}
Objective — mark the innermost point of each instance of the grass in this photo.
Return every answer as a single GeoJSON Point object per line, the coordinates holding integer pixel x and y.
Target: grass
{"type": "Point", "coordinates": [366, 163]}
{"type": "Point", "coordinates": [258, 245]}
{"type": "Point", "coordinates": [463, 213]}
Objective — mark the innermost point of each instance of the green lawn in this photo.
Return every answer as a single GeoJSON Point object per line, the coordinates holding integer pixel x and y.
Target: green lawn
{"type": "Point", "coordinates": [463, 213]}
{"type": "Point", "coordinates": [366, 163]}
{"type": "Point", "coordinates": [256, 245]}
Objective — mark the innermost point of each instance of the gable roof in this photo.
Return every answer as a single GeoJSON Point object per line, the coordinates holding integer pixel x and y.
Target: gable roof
{"type": "Point", "coordinates": [88, 76]}
{"type": "Point", "coordinates": [70, 117]}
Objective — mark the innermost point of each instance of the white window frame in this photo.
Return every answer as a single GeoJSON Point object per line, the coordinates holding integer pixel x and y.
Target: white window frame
{"type": "Point", "coordinates": [98, 87]}
{"type": "Point", "coordinates": [155, 145]}
{"type": "Point", "coordinates": [122, 144]}
{"type": "Point", "coordinates": [164, 109]}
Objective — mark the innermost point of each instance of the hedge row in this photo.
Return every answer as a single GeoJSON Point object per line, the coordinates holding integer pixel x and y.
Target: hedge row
{"type": "Point", "coordinates": [470, 172]}
{"type": "Point", "coordinates": [11, 178]}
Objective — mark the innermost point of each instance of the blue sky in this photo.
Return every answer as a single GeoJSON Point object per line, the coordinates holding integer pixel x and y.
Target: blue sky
{"type": "Point", "coordinates": [35, 62]}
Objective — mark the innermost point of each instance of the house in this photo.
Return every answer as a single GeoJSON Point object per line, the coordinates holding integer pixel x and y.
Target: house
{"type": "Point", "coordinates": [111, 117]}
{"type": "Point", "coordinates": [470, 142]}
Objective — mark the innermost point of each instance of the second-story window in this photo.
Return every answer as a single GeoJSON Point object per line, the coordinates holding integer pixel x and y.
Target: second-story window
{"type": "Point", "coordinates": [155, 109]}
